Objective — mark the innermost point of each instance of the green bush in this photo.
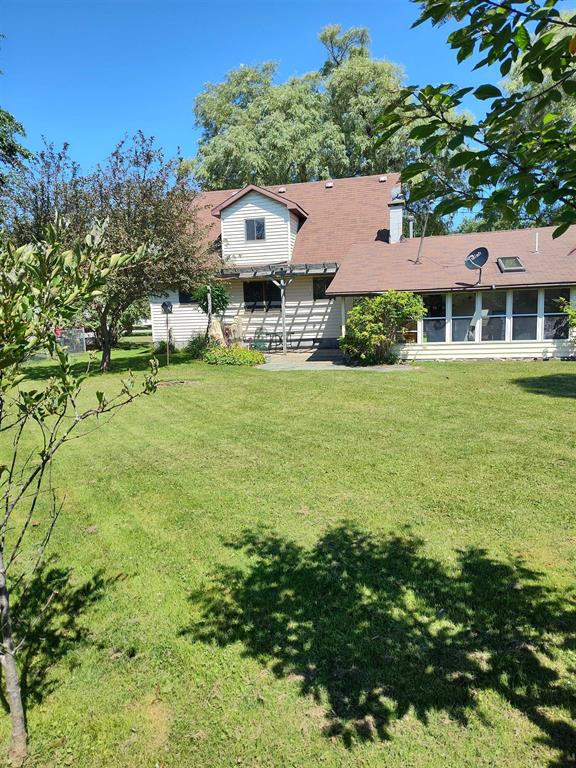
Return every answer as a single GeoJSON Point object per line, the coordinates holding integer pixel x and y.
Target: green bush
{"type": "Point", "coordinates": [197, 346]}
{"type": "Point", "coordinates": [233, 356]}
{"type": "Point", "coordinates": [376, 324]}
{"type": "Point", "coordinates": [160, 348]}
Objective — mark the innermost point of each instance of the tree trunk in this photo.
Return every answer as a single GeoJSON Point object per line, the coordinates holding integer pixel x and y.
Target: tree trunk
{"type": "Point", "coordinates": [105, 338]}
{"type": "Point", "coordinates": [106, 355]}
{"type": "Point", "coordinates": [18, 747]}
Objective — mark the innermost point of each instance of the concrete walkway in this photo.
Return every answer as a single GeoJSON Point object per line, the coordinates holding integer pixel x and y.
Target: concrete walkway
{"type": "Point", "coordinates": [322, 360]}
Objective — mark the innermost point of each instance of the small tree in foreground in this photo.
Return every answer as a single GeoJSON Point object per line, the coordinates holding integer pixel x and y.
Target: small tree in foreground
{"type": "Point", "coordinates": [376, 324]}
{"type": "Point", "coordinates": [42, 286]}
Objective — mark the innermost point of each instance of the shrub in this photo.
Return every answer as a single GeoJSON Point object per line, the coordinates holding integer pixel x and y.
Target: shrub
{"type": "Point", "coordinates": [197, 346]}
{"type": "Point", "coordinates": [160, 348]}
{"type": "Point", "coordinates": [233, 356]}
{"type": "Point", "coordinates": [375, 324]}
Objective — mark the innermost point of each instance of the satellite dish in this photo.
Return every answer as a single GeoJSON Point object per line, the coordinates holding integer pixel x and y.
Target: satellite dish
{"type": "Point", "coordinates": [476, 258]}
{"type": "Point", "coordinates": [167, 307]}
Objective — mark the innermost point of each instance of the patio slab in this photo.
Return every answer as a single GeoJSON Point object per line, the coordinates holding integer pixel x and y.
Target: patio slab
{"type": "Point", "coordinates": [322, 360]}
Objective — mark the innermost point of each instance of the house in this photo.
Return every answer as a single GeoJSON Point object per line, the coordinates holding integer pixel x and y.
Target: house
{"type": "Point", "coordinates": [296, 258]}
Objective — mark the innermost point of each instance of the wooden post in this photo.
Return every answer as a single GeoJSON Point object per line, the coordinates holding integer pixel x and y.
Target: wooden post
{"type": "Point", "coordinates": [167, 340]}
{"type": "Point", "coordinates": [343, 315]}
{"type": "Point", "coordinates": [209, 302]}
{"type": "Point", "coordinates": [282, 283]}
{"type": "Point", "coordinates": [283, 299]}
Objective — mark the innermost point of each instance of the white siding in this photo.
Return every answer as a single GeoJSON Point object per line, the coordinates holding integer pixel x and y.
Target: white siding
{"type": "Point", "coordinates": [477, 349]}
{"type": "Point", "coordinates": [306, 319]}
{"type": "Point", "coordinates": [492, 350]}
{"type": "Point", "coordinates": [186, 320]}
{"type": "Point", "coordinates": [274, 249]}
{"type": "Point", "coordinates": [294, 223]}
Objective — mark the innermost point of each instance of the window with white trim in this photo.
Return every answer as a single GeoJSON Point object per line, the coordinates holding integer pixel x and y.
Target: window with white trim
{"type": "Point", "coordinates": [525, 315]}
{"type": "Point", "coordinates": [434, 323]}
{"type": "Point", "coordinates": [261, 294]}
{"type": "Point", "coordinates": [555, 321]}
{"type": "Point", "coordinates": [185, 297]}
{"type": "Point", "coordinates": [463, 310]}
{"type": "Point", "coordinates": [255, 229]}
{"type": "Point", "coordinates": [319, 286]}
{"type": "Point", "coordinates": [493, 315]}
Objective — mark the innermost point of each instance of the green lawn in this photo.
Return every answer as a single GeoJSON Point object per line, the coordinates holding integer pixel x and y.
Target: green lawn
{"type": "Point", "coordinates": [315, 569]}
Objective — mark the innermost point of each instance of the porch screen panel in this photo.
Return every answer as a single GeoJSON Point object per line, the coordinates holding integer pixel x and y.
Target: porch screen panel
{"type": "Point", "coordinates": [463, 308]}
{"type": "Point", "coordinates": [434, 323]}
{"type": "Point", "coordinates": [493, 315]}
{"type": "Point", "coordinates": [555, 321]}
{"type": "Point", "coordinates": [524, 315]}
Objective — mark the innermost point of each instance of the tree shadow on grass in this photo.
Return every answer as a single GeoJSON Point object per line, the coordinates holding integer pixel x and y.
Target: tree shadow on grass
{"type": "Point", "coordinates": [48, 621]}
{"type": "Point", "coordinates": [554, 385]}
{"type": "Point", "coordinates": [373, 628]}
{"type": "Point", "coordinates": [120, 363]}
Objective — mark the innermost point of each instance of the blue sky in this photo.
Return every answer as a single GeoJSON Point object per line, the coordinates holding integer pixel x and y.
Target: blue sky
{"type": "Point", "coordinates": [90, 71]}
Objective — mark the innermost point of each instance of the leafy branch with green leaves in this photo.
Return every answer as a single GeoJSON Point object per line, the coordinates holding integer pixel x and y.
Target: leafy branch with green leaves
{"type": "Point", "coordinates": [519, 160]}
{"type": "Point", "coordinates": [42, 286]}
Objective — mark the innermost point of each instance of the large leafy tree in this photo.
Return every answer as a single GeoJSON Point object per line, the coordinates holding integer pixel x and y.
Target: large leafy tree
{"type": "Point", "coordinates": [519, 159]}
{"type": "Point", "coordinates": [341, 46]}
{"type": "Point", "coordinates": [320, 125]}
{"type": "Point", "coordinates": [281, 135]}
{"type": "Point", "coordinates": [140, 196]}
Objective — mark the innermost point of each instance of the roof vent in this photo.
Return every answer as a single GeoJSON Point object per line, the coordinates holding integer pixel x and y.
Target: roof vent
{"type": "Point", "coordinates": [329, 184]}
{"type": "Point", "coordinates": [382, 179]}
{"type": "Point", "coordinates": [282, 189]}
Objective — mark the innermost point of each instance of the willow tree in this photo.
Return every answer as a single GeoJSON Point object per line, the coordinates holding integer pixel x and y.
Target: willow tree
{"type": "Point", "coordinates": [320, 125]}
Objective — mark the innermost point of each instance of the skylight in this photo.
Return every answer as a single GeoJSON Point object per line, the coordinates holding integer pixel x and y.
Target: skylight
{"type": "Point", "coordinates": [510, 264]}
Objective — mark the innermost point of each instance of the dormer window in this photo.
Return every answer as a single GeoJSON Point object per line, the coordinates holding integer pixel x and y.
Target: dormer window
{"type": "Point", "coordinates": [255, 229]}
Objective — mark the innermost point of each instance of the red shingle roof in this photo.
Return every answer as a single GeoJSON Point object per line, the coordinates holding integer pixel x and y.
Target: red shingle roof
{"type": "Point", "coordinates": [377, 267]}
{"type": "Point", "coordinates": [353, 210]}
{"type": "Point", "coordinates": [280, 198]}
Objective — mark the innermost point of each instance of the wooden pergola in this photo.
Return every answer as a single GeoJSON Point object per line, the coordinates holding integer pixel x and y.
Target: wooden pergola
{"type": "Point", "coordinates": [281, 275]}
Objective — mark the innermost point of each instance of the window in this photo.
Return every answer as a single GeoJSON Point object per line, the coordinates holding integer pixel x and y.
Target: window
{"type": "Point", "coordinates": [261, 294]}
{"type": "Point", "coordinates": [185, 298]}
{"type": "Point", "coordinates": [525, 315]}
{"type": "Point", "coordinates": [319, 286]}
{"type": "Point", "coordinates": [255, 229]}
{"type": "Point", "coordinates": [555, 321]}
{"type": "Point", "coordinates": [410, 335]}
{"type": "Point", "coordinates": [493, 315]}
{"type": "Point", "coordinates": [510, 264]}
{"type": "Point", "coordinates": [463, 309]}
{"type": "Point", "coordinates": [434, 323]}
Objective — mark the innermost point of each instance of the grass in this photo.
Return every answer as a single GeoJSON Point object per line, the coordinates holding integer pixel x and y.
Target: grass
{"type": "Point", "coordinates": [330, 569]}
